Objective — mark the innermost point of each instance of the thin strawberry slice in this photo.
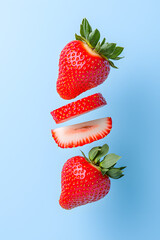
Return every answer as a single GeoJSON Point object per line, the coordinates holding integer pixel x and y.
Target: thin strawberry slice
{"type": "Point", "coordinates": [82, 133]}
{"type": "Point", "coordinates": [78, 107]}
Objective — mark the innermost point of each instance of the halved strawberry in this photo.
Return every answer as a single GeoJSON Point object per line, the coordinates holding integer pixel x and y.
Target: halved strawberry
{"type": "Point", "coordinates": [82, 133]}
{"type": "Point", "coordinates": [78, 107]}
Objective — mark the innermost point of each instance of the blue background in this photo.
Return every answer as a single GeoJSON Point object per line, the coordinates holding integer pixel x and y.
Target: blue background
{"type": "Point", "coordinates": [32, 34]}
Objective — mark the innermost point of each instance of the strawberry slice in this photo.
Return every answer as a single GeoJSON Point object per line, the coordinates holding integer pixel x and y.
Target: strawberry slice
{"type": "Point", "coordinates": [78, 107]}
{"type": "Point", "coordinates": [82, 133]}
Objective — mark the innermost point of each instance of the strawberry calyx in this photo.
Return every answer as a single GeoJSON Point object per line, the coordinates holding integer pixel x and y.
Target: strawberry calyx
{"type": "Point", "coordinates": [109, 51]}
{"type": "Point", "coordinates": [107, 164]}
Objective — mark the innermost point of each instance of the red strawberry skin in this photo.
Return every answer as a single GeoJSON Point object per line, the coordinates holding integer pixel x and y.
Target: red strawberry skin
{"type": "Point", "coordinates": [81, 183]}
{"type": "Point", "coordinates": [80, 69]}
{"type": "Point", "coordinates": [78, 107]}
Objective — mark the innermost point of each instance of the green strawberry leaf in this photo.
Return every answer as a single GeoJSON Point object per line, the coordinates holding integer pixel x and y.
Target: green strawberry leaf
{"type": "Point", "coordinates": [104, 150]}
{"type": "Point", "coordinates": [103, 41]}
{"type": "Point", "coordinates": [107, 49]}
{"type": "Point", "coordinates": [104, 171]}
{"type": "Point", "coordinates": [116, 52]}
{"type": "Point", "coordinates": [94, 37]}
{"type": "Point", "coordinates": [121, 168]}
{"type": "Point", "coordinates": [109, 160]}
{"type": "Point", "coordinates": [116, 58]}
{"type": "Point", "coordinates": [115, 173]}
{"type": "Point", "coordinates": [85, 156]}
{"type": "Point", "coordinates": [113, 165]}
{"type": "Point", "coordinates": [77, 37]}
{"type": "Point", "coordinates": [85, 28]}
{"type": "Point", "coordinates": [93, 152]}
{"type": "Point", "coordinates": [98, 46]}
{"type": "Point", "coordinates": [112, 64]}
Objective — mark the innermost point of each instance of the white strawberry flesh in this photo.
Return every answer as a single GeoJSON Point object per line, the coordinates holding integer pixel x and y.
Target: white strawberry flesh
{"type": "Point", "coordinates": [82, 133]}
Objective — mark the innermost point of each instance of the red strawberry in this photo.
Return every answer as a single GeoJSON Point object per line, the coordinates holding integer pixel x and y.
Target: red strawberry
{"type": "Point", "coordinates": [79, 107]}
{"type": "Point", "coordinates": [85, 63]}
{"type": "Point", "coordinates": [82, 133]}
{"type": "Point", "coordinates": [87, 180]}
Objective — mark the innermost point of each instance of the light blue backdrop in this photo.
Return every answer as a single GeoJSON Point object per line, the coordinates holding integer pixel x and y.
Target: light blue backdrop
{"type": "Point", "coordinates": [32, 34]}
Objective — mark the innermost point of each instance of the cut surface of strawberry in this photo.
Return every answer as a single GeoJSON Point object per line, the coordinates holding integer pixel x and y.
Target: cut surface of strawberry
{"type": "Point", "coordinates": [78, 107]}
{"type": "Point", "coordinates": [82, 133]}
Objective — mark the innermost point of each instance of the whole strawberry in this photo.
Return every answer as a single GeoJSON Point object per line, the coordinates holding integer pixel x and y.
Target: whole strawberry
{"type": "Point", "coordinates": [85, 62]}
{"type": "Point", "coordinates": [85, 180]}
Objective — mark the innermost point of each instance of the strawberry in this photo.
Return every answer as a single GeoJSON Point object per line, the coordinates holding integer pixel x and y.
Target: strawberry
{"type": "Point", "coordinates": [85, 180]}
{"type": "Point", "coordinates": [85, 62]}
{"type": "Point", "coordinates": [82, 133]}
{"type": "Point", "coordinates": [78, 107]}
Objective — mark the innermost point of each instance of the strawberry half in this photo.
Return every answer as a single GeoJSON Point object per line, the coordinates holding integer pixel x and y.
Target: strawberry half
{"type": "Point", "coordinates": [79, 107]}
{"type": "Point", "coordinates": [85, 62]}
{"type": "Point", "coordinates": [85, 180]}
{"type": "Point", "coordinates": [82, 133]}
